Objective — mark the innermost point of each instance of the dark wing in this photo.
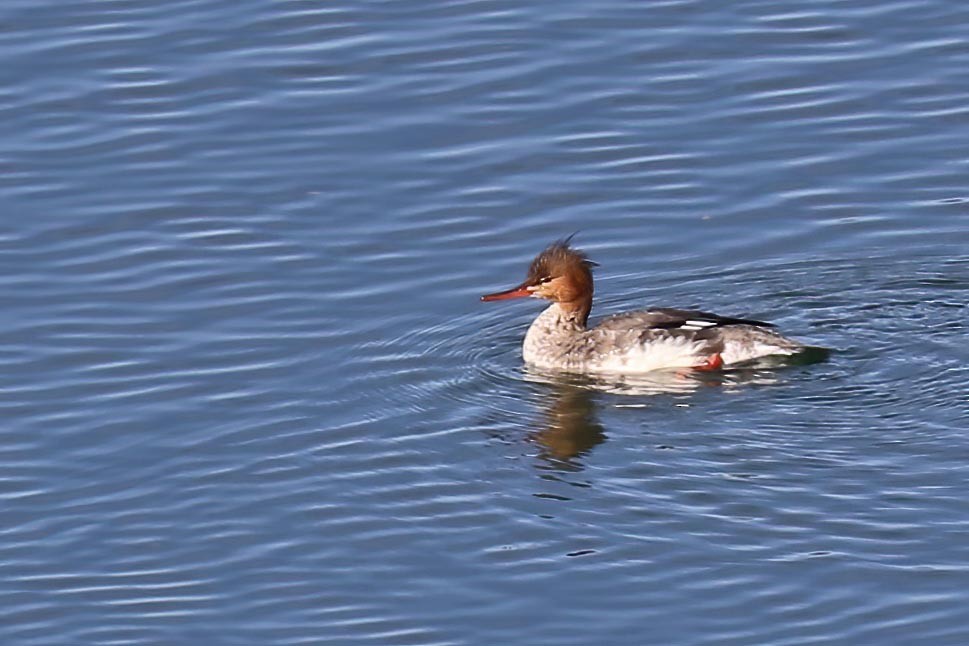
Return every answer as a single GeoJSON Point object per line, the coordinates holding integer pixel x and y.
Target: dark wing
{"type": "Point", "coordinates": [666, 318]}
{"type": "Point", "coordinates": [695, 319]}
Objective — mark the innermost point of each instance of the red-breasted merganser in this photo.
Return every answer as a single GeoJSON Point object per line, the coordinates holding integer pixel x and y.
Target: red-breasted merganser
{"type": "Point", "coordinates": [636, 342]}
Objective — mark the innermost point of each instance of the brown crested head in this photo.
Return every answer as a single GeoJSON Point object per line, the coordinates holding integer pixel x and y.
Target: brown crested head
{"type": "Point", "coordinates": [560, 274]}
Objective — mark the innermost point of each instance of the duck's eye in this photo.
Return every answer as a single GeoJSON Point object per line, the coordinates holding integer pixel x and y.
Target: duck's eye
{"type": "Point", "coordinates": [544, 279]}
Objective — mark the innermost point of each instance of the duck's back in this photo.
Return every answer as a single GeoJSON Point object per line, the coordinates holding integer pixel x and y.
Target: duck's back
{"type": "Point", "coordinates": [673, 338]}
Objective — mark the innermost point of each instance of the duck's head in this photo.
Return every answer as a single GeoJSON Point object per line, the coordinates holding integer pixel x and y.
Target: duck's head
{"type": "Point", "coordinates": [560, 274]}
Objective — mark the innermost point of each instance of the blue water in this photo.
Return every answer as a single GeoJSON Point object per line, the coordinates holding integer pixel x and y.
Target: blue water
{"type": "Point", "coordinates": [250, 395]}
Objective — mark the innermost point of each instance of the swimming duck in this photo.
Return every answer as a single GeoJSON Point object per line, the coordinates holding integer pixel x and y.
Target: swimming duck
{"type": "Point", "coordinates": [634, 342]}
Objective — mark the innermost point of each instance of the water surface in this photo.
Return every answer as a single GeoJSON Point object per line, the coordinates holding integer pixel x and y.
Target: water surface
{"type": "Point", "coordinates": [251, 397]}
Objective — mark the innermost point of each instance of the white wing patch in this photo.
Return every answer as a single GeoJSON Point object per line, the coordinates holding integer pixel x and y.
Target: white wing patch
{"type": "Point", "coordinates": [697, 325]}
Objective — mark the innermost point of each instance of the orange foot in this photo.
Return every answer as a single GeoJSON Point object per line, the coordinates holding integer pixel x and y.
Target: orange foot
{"type": "Point", "coordinates": [714, 362]}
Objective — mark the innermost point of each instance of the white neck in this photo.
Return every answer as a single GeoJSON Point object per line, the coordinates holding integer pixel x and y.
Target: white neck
{"type": "Point", "coordinates": [549, 335]}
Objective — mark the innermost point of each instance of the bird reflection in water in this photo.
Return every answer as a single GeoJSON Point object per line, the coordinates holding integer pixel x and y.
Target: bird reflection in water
{"type": "Point", "coordinates": [570, 428]}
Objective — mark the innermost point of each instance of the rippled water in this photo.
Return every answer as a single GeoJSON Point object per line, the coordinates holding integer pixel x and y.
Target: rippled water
{"type": "Point", "coordinates": [251, 396]}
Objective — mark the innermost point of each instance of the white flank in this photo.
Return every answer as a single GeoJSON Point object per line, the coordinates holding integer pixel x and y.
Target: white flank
{"type": "Point", "coordinates": [671, 352]}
